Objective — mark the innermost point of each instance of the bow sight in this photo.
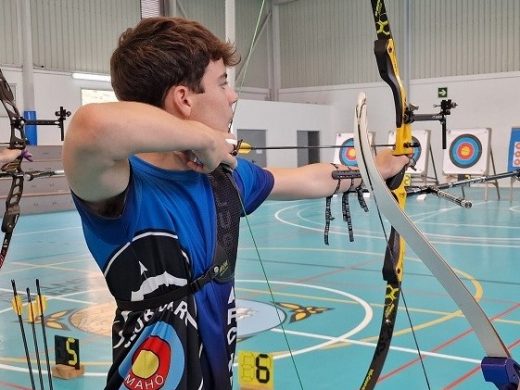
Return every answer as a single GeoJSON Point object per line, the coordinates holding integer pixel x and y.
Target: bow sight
{"type": "Point", "coordinates": [446, 106]}
{"type": "Point", "coordinates": [62, 114]}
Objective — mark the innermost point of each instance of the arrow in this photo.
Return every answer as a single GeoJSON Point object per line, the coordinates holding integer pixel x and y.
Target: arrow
{"type": "Point", "coordinates": [242, 147]}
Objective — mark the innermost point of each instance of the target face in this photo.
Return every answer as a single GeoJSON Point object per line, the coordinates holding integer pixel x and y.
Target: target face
{"type": "Point", "coordinates": [417, 150]}
{"type": "Point", "coordinates": [516, 158]}
{"type": "Point", "coordinates": [513, 159]}
{"type": "Point", "coordinates": [347, 153]}
{"type": "Point", "coordinates": [421, 138]}
{"type": "Point", "coordinates": [465, 151]}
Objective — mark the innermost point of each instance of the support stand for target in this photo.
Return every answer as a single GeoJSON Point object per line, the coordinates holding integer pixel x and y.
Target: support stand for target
{"type": "Point", "coordinates": [494, 182]}
{"type": "Point", "coordinates": [511, 187]}
{"type": "Point", "coordinates": [424, 176]}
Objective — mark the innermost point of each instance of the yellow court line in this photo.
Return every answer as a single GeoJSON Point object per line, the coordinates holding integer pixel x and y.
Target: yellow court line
{"type": "Point", "coordinates": [454, 314]}
{"type": "Point", "coordinates": [446, 316]}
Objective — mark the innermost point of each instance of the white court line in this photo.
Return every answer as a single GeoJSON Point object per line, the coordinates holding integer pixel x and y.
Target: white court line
{"type": "Point", "coordinates": [472, 225]}
{"type": "Point", "coordinates": [63, 297]}
{"type": "Point", "coordinates": [46, 231]}
{"type": "Point", "coordinates": [451, 240]}
{"type": "Point", "coordinates": [373, 345]}
{"type": "Point", "coordinates": [362, 325]}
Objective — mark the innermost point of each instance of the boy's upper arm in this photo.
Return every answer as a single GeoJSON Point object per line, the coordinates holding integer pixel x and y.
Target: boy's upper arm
{"type": "Point", "coordinates": [256, 184]}
{"type": "Point", "coordinates": [91, 174]}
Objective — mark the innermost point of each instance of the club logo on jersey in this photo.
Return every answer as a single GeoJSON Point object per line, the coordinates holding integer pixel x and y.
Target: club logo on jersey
{"type": "Point", "coordinates": [150, 364]}
{"type": "Point", "coordinates": [156, 361]}
{"type": "Point", "coordinates": [152, 261]}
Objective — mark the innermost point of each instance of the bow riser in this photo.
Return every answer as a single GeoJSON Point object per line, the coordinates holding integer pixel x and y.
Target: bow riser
{"type": "Point", "coordinates": [13, 168]}
{"type": "Point", "coordinates": [17, 139]}
{"type": "Point", "coordinates": [384, 50]}
{"type": "Point", "coordinates": [393, 265]}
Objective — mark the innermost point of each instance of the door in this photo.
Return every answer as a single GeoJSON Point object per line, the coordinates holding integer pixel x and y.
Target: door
{"type": "Point", "coordinates": [254, 138]}
{"type": "Point", "coordinates": [307, 139]}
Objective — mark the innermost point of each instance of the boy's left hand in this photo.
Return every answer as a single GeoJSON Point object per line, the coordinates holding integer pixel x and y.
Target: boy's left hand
{"type": "Point", "coordinates": [390, 165]}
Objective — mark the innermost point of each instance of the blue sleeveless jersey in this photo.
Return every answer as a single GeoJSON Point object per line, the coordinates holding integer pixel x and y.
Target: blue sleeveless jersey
{"type": "Point", "coordinates": [165, 237]}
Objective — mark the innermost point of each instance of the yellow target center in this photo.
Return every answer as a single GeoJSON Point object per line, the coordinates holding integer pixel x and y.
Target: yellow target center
{"type": "Point", "coordinates": [146, 364]}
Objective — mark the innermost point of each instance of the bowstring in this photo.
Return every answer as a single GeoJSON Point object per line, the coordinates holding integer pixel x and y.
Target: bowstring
{"type": "Point", "coordinates": [248, 223]}
{"type": "Point", "coordinates": [247, 60]}
{"type": "Point", "coordinates": [271, 293]}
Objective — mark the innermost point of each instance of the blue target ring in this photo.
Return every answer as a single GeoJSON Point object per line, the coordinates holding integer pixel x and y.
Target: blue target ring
{"type": "Point", "coordinates": [465, 151]}
{"type": "Point", "coordinates": [516, 159]}
{"type": "Point", "coordinates": [417, 150]}
{"type": "Point", "coordinates": [347, 153]}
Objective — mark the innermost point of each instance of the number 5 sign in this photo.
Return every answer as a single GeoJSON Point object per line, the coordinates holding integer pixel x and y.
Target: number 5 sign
{"type": "Point", "coordinates": [67, 351]}
{"type": "Point", "coordinates": [255, 370]}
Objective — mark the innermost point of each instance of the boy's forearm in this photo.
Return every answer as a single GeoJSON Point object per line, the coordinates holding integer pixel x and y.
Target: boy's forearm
{"type": "Point", "coordinates": [125, 128]}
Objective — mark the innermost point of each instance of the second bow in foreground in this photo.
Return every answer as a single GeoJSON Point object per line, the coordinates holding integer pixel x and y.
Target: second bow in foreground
{"type": "Point", "coordinates": [498, 366]}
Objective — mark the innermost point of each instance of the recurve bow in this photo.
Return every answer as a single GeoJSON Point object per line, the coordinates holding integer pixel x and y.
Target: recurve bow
{"type": "Point", "coordinates": [498, 366]}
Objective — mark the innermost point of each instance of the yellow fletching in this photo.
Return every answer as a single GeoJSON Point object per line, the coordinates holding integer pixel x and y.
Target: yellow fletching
{"type": "Point", "coordinates": [32, 313]}
{"type": "Point", "coordinates": [35, 309]}
{"type": "Point", "coordinates": [245, 148]}
{"type": "Point", "coordinates": [16, 302]}
{"type": "Point", "coordinates": [43, 299]}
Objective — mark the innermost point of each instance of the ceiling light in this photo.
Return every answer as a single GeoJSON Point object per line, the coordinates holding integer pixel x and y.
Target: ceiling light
{"type": "Point", "coordinates": [91, 77]}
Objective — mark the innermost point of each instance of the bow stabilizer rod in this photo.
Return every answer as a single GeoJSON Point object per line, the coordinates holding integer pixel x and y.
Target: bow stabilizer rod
{"type": "Point", "coordinates": [438, 189]}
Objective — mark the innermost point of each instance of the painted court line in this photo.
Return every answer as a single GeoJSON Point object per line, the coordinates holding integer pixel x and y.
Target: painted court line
{"type": "Point", "coordinates": [373, 345]}
{"type": "Point", "coordinates": [442, 346]}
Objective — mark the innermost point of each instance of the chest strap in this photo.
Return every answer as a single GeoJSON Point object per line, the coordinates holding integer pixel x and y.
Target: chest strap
{"type": "Point", "coordinates": [228, 210]}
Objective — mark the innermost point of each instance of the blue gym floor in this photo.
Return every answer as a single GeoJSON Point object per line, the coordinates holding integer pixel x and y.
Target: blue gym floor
{"type": "Point", "coordinates": [328, 298]}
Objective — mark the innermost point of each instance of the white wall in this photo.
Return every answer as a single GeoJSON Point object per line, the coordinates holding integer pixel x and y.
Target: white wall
{"type": "Point", "coordinates": [484, 101]}
{"type": "Point", "coordinates": [281, 120]}
{"type": "Point", "coordinates": [51, 90]}
{"type": "Point", "coordinates": [491, 100]}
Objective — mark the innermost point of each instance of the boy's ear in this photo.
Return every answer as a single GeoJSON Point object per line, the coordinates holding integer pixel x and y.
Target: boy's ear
{"type": "Point", "coordinates": [178, 100]}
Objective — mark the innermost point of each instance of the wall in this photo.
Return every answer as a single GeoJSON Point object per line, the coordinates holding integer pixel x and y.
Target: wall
{"type": "Point", "coordinates": [491, 100]}
{"type": "Point", "coordinates": [484, 101]}
{"type": "Point", "coordinates": [281, 120]}
{"type": "Point", "coordinates": [51, 90]}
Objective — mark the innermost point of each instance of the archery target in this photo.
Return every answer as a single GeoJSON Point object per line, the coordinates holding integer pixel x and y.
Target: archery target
{"type": "Point", "coordinates": [514, 150]}
{"type": "Point", "coordinates": [467, 152]}
{"type": "Point", "coordinates": [420, 153]}
{"type": "Point", "coordinates": [345, 153]}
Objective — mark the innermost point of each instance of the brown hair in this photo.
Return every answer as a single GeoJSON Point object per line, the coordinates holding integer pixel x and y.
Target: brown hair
{"type": "Point", "coordinates": [162, 52]}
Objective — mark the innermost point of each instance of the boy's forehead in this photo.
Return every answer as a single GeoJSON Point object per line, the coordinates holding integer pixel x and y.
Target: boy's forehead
{"type": "Point", "coordinates": [216, 69]}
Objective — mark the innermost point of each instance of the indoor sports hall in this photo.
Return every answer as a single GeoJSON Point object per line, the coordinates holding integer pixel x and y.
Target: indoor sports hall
{"type": "Point", "coordinates": [405, 283]}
